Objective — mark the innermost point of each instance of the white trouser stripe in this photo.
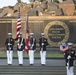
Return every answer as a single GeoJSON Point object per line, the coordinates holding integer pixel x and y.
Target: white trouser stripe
{"type": "Point", "coordinates": [43, 57]}
{"type": "Point", "coordinates": [31, 56]}
{"type": "Point", "coordinates": [20, 57]}
{"type": "Point", "coordinates": [9, 56]}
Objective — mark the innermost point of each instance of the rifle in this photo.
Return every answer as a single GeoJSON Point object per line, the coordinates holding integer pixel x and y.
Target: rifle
{"type": "Point", "coordinates": [9, 45]}
{"type": "Point", "coordinates": [68, 63]}
{"type": "Point", "coordinates": [42, 46]}
{"type": "Point", "coordinates": [19, 46]}
{"type": "Point", "coordinates": [32, 44]}
{"type": "Point", "coordinates": [69, 60]}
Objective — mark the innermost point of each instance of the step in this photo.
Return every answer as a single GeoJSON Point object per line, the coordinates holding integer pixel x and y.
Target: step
{"type": "Point", "coordinates": [33, 70]}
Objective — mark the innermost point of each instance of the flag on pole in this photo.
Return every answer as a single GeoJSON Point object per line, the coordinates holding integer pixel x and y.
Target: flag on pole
{"type": "Point", "coordinates": [63, 47]}
{"type": "Point", "coordinates": [18, 24]}
{"type": "Point", "coordinates": [27, 38]}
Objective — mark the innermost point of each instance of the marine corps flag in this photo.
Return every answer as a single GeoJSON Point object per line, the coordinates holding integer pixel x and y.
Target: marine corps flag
{"type": "Point", "coordinates": [27, 38]}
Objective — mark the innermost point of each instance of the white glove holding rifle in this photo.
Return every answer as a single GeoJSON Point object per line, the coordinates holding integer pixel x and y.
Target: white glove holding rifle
{"type": "Point", "coordinates": [32, 45]}
{"type": "Point", "coordinates": [42, 44]}
{"type": "Point", "coordinates": [9, 44]}
{"type": "Point", "coordinates": [69, 57]}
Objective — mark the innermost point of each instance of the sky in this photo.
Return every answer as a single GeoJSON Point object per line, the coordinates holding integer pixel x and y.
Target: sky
{"type": "Point", "coordinates": [4, 3]}
{"type": "Point", "coordinates": [10, 2]}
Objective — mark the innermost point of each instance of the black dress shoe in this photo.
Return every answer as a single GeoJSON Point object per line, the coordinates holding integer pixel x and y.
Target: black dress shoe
{"type": "Point", "coordinates": [10, 64]}
{"type": "Point", "coordinates": [42, 64]}
{"type": "Point", "coordinates": [31, 64]}
{"type": "Point", "coordinates": [20, 64]}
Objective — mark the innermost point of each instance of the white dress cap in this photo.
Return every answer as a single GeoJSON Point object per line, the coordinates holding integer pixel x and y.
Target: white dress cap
{"type": "Point", "coordinates": [31, 33]}
{"type": "Point", "coordinates": [70, 44]}
{"type": "Point", "coordinates": [42, 33]}
{"type": "Point", "coordinates": [9, 33]}
{"type": "Point", "coordinates": [20, 33]}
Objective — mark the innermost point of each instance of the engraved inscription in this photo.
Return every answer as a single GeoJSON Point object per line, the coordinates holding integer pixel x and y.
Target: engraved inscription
{"type": "Point", "coordinates": [56, 32]}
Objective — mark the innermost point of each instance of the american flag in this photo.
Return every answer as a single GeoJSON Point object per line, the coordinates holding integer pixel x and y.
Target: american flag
{"type": "Point", "coordinates": [63, 49]}
{"type": "Point", "coordinates": [18, 24]}
{"type": "Point", "coordinates": [27, 36]}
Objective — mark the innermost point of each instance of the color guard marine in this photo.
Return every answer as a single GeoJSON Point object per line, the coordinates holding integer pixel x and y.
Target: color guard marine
{"type": "Point", "coordinates": [32, 48]}
{"type": "Point", "coordinates": [9, 46]}
{"type": "Point", "coordinates": [69, 56]}
{"type": "Point", "coordinates": [20, 48]}
{"type": "Point", "coordinates": [43, 43]}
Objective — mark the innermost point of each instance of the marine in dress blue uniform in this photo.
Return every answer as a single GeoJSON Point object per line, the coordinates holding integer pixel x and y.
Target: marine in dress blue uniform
{"type": "Point", "coordinates": [9, 46]}
{"type": "Point", "coordinates": [69, 56]}
{"type": "Point", "coordinates": [20, 48]}
{"type": "Point", "coordinates": [32, 48]}
{"type": "Point", "coordinates": [43, 43]}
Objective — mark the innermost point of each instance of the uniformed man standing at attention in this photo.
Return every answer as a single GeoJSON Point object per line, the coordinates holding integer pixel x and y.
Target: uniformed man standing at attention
{"type": "Point", "coordinates": [20, 48]}
{"type": "Point", "coordinates": [32, 48]}
{"type": "Point", "coordinates": [43, 43]}
{"type": "Point", "coordinates": [9, 44]}
{"type": "Point", "coordinates": [69, 59]}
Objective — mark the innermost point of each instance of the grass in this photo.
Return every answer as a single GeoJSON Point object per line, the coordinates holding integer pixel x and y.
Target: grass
{"type": "Point", "coordinates": [37, 54]}
{"type": "Point", "coordinates": [55, 55]}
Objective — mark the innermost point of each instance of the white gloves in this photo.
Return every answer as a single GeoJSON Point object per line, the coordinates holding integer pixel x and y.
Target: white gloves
{"type": "Point", "coordinates": [42, 44]}
{"type": "Point", "coordinates": [9, 44]}
{"type": "Point", "coordinates": [32, 45]}
{"type": "Point", "coordinates": [69, 57]}
{"type": "Point", "coordinates": [29, 44]}
{"type": "Point", "coordinates": [20, 44]}
{"type": "Point", "coordinates": [67, 64]}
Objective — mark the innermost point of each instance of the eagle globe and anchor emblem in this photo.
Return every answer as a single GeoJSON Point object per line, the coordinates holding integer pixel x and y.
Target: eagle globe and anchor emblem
{"type": "Point", "coordinates": [56, 32]}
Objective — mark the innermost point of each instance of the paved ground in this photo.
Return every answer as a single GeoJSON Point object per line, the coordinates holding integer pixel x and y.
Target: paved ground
{"type": "Point", "coordinates": [49, 62]}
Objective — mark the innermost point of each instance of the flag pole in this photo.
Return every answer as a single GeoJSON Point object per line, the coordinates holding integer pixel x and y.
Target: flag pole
{"type": "Point", "coordinates": [18, 25]}
{"type": "Point", "coordinates": [27, 37]}
{"type": "Point", "coordinates": [18, 22]}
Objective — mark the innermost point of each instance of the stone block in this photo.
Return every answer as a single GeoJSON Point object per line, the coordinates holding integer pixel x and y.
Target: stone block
{"type": "Point", "coordinates": [68, 9]}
